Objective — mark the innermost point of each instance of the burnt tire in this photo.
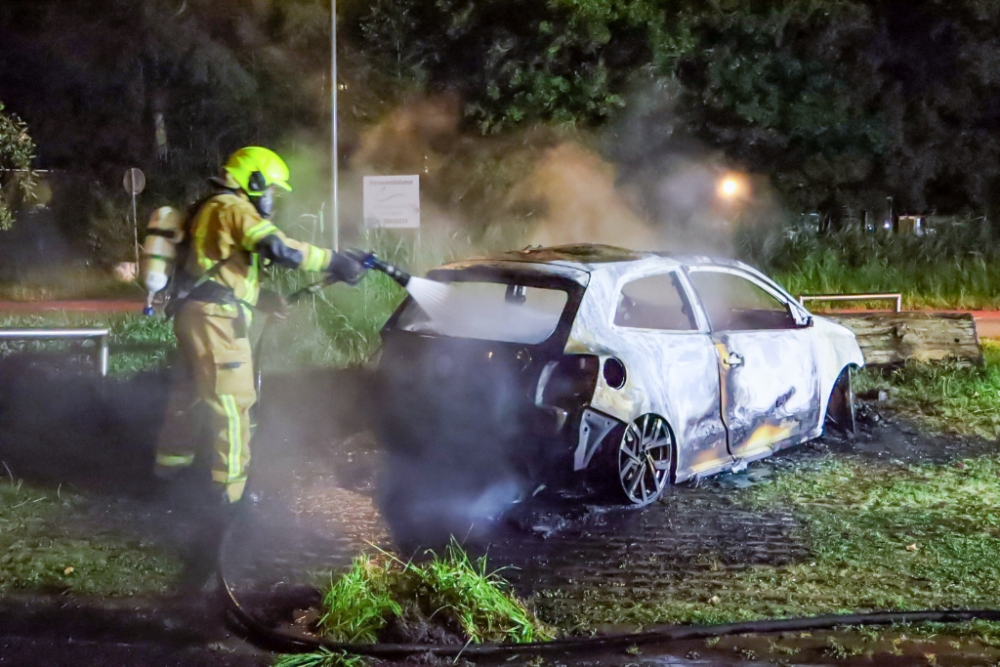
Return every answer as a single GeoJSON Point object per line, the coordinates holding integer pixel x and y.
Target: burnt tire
{"type": "Point", "coordinates": [840, 408]}
{"type": "Point", "coordinates": [638, 461]}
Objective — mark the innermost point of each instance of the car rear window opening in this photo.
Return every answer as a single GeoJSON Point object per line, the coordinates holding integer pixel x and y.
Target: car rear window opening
{"type": "Point", "coordinates": [494, 311]}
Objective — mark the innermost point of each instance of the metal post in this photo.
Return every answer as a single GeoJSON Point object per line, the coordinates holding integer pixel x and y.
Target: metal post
{"type": "Point", "coordinates": [135, 229]}
{"type": "Point", "coordinates": [334, 153]}
{"type": "Point", "coordinates": [105, 353]}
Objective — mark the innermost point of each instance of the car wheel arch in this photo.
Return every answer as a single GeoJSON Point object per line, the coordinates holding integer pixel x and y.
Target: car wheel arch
{"type": "Point", "coordinates": [839, 409]}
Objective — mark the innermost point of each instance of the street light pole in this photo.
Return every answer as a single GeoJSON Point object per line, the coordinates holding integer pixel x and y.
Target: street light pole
{"type": "Point", "coordinates": [334, 153]}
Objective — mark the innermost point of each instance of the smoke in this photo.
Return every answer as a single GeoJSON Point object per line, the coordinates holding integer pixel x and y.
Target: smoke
{"type": "Point", "coordinates": [674, 204]}
{"type": "Point", "coordinates": [483, 311]}
{"type": "Point", "coordinates": [635, 184]}
{"type": "Point", "coordinates": [457, 438]}
{"type": "Point", "coordinates": [582, 202]}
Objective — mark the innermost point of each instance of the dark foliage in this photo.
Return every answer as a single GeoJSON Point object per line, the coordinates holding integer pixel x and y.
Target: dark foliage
{"type": "Point", "coordinates": [518, 61]}
{"type": "Point", "coordinates": [17, 151]}
{"type": "Point", "coordinates": [840, 102]}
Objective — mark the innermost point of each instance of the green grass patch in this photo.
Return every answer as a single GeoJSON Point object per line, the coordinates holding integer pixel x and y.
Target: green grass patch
{"type": "Point", "coordinates": [880, 537]}
{"type": "Point", "coordinates": [944, 397]}
{"type": "Point", "coordinates": [450, 594]}
{"type": "Point", "coordinates": [321, 658]}
{"type": "Point", "coordinates": [451, 590]}
{"type": "Point", "coordinates": [337, 327]}
{"type": "Point", "coordinates": [49, 543]}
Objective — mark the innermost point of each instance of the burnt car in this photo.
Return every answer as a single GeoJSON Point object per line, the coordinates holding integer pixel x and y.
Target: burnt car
{"type": "Point", "coordinates": [638, 368]}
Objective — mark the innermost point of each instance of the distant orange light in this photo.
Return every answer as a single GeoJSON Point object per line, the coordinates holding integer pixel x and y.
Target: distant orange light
{"type": "Point", "coordinates": [733, 186]}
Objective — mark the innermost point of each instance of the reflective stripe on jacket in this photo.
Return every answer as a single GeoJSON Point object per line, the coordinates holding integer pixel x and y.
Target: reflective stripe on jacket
{"type": "Point", "coordinates": [227, 231]}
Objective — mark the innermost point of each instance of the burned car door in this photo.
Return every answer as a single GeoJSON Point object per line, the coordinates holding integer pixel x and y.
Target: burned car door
{"type": "Point", "coordinates": [770, 385]}
{"type": "Point", "coordinates": [673, 364]}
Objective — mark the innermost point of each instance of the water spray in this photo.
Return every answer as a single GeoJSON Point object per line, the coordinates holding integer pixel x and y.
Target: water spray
{"type": "Point", "coordinates": [432, 295]}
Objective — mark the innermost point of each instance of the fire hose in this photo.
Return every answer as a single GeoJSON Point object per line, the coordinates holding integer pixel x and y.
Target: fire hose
{"type": "Point", "coordinates": [287, 642]}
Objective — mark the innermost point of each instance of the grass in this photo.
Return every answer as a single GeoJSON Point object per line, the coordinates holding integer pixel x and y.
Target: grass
{"type": "Point", "coordinates": [944, 397]}
{"type": "Point", "coordinates": [137, 342]}
{"type": "Point", "coordinates": [49, 545]}
{"type": "Point", "coordinates": [881, 535]}
{"type": "Point", "coordinates": [337, 327]}
{"type": "Point", "coordinates": [957, 267]}
{"type": "Point", "coordinates": [451, 591]}
{"type": "Point", "coordinates": [321, 658]}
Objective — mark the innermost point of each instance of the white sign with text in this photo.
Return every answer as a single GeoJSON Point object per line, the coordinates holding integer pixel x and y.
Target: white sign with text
{"type": "Point", "coordinates": [392, 202]}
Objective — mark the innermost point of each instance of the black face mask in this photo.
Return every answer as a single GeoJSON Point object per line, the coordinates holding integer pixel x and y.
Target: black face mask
{"type": "Point", "coordinates": [264, 203]}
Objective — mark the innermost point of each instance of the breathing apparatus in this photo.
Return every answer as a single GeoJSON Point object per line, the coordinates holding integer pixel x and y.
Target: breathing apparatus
{"type": "Point", "coordinates": [159, 252]}
{"type": "Point", "coordinates": [259, 172]}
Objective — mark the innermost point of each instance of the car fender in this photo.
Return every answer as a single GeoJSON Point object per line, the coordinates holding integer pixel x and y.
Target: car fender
{"type": "Point", "coordinates": [836, 347]}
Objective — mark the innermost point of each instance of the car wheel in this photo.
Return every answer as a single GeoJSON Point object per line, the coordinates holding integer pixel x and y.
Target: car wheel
{"type": "Point", "coordinates": [840, 409]}
{"type": "Point", "coordinates": [645, 460]}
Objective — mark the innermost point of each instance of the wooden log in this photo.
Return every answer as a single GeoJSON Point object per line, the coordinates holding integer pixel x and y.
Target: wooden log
{"type": "Point", "coordinates": [889, 339]}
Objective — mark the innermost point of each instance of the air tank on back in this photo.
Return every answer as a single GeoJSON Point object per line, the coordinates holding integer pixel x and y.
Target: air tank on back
{"type": "Point", "coordinates": [159, 251]}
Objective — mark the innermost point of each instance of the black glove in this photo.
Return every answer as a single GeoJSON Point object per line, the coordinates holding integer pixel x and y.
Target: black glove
{"type": "Point", "coordinates": [345, 269]}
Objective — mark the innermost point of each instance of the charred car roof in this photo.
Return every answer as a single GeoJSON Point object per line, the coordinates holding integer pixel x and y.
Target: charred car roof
{"type": "Point", "coordinates": [586, 258]}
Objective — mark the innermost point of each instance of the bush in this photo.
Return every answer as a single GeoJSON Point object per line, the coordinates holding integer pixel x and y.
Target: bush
{"type": "Point", "coordinates": [17, 153]}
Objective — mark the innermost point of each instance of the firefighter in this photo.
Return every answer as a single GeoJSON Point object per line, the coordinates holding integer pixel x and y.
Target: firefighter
{"type": "Point", "coordinates": [216, 287]}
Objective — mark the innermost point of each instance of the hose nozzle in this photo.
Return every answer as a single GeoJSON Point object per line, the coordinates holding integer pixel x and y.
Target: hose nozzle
{"type": "Point", "coordinates": [370, 261]}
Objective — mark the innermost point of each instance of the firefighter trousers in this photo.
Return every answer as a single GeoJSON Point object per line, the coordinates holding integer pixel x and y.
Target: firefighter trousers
{"type": "Point", "coordinates": [208, 422]}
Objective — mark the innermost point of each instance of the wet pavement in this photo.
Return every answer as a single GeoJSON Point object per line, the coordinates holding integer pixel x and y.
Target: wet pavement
{"type": "Point", "coordinates": [318, 473]}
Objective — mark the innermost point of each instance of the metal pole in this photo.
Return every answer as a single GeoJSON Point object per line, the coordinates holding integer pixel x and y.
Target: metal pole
{"type": "Point", "coordinates": [135, 228]}
{"type": "Point", "coordinates": [334, 153]}
{"type": "Point", "coordinates": [105, 354]}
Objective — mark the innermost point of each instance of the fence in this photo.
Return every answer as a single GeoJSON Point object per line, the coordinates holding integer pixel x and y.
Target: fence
{"type": "Point", "coordinates": [100, 335]}
{"type": "Point", "coordinates": [897, 298]}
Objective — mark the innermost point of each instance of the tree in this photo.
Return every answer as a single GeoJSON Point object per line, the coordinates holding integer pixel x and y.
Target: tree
{"type": "Point", "coordinates": [17, 153]}
{"type": "Point", "coordinates": [789, 91]}
{"type": "Point", "coordinates": [523, 61]}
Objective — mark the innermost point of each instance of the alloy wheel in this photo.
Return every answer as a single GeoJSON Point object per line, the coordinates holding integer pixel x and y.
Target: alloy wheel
{"type": "Point", "coordinates": [645, 456]}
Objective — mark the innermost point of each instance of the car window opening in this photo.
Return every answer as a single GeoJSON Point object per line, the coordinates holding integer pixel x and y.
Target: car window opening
{"type": "Point", "coordinates": [502, 312]}
{"type": "Point", "coordinates": [654, 302]}
{"type": "Point", "coordinates": [734, 303]}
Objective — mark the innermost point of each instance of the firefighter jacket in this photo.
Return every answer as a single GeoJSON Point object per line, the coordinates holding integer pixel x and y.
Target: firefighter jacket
{"type": "Point", "coordinates": [228, 241]}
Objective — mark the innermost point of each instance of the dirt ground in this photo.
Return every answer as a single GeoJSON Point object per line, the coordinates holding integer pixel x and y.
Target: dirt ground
{"type": "Point", "coordinates": [318, 474]}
